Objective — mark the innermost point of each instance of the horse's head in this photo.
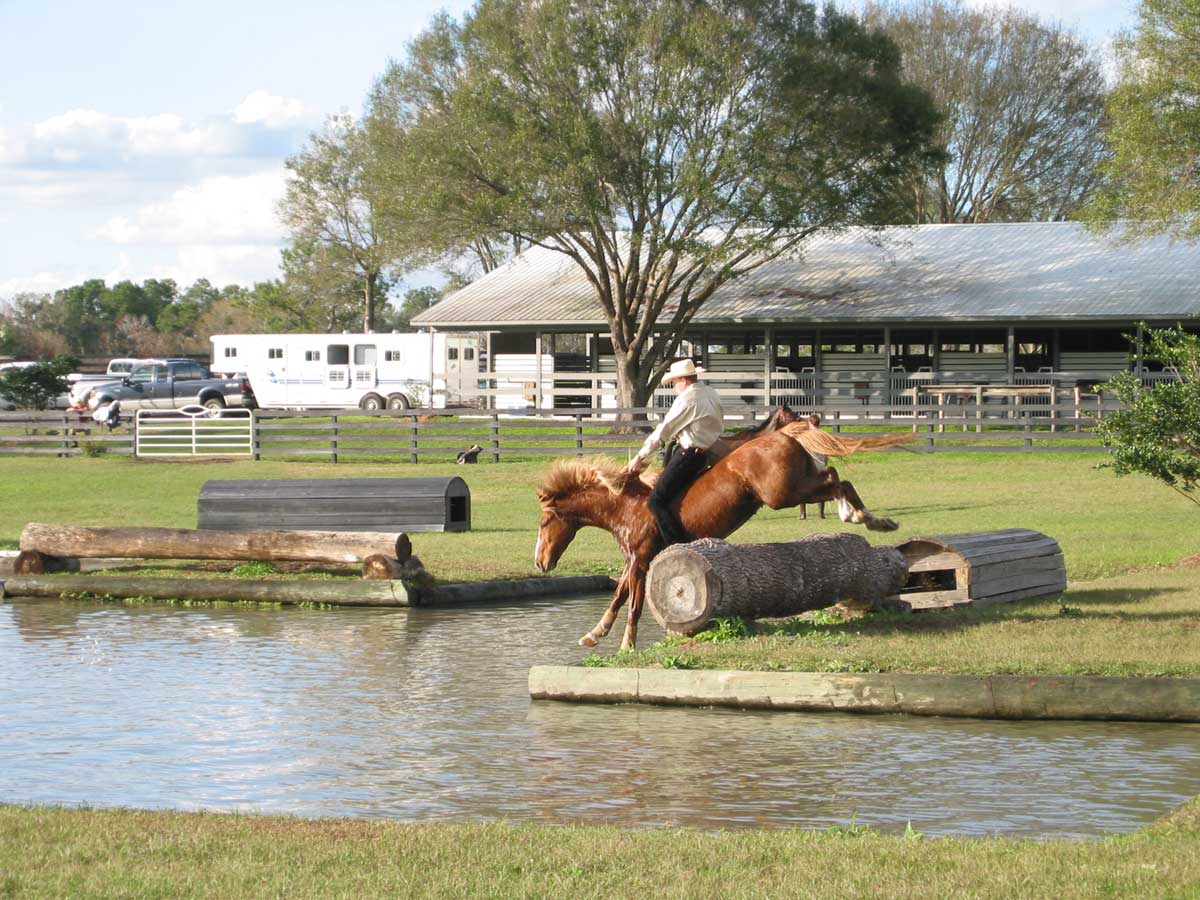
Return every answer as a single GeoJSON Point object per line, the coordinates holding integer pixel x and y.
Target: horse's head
{"type": "Point", "coordinates": [580, 492]}
{"type": "Point", "coordinates": [555, 531]}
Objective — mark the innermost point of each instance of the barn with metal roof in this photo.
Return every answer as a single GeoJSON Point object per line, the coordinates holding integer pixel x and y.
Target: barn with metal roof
{"type": "Point", "coordinates": [869, 313]}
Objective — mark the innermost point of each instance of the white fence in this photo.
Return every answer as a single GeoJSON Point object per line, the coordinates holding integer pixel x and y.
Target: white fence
{"type": "Point", "coordinates": [194, 431]}
{"type": "Point", "coordinates": [807, 389]}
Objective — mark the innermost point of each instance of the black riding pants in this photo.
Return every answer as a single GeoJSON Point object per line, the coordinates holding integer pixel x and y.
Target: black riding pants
{"type": "Point", "coordinates": [682, 468]}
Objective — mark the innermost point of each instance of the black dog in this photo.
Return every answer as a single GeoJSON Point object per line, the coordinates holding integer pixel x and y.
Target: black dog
{"type": "Point", "coordinates": [470, 455]}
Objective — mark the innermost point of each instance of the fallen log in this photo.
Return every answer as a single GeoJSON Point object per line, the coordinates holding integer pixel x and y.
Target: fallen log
{"type": "Point", "coordinates": [333, 592]}
{"type": "Point", "coordinates": [331, 547]}
{"type": "Point", "coordinates": [691, 584]}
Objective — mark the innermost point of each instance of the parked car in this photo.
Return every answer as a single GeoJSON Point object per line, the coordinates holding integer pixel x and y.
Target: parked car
{"type": "Point", "coordinates": [81, 383]}
{"type": "Point", "coordinates": [172, 384]}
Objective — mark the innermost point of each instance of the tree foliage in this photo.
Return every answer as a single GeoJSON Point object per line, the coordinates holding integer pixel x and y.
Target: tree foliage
{"type": "Point", "coordinates": [128, 319]}
{"type": "Point", "coordinates": [416, 301]}
{"type": "Point", "coordinates": [332, 207]}
{"type": "Point", "coordinates": [665, 147]}
{"type": "Point", "coordinates": [1158, 433]}
{"type": "Point", "coordinates": [1153, 178]}
{"type": "Point", "coordinates": [1023, 104]}
{"type": "Point", "coordinates": [37, 386]}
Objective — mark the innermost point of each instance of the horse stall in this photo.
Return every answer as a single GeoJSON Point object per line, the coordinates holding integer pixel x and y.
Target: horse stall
{"type": "Point", "coordinates": [979, 568]}
{"type": "Point", "coordinates": [336, 504]}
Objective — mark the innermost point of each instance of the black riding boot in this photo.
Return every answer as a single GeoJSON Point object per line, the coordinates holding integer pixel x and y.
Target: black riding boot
{"type": "Point", "coordinates": [682, 468]}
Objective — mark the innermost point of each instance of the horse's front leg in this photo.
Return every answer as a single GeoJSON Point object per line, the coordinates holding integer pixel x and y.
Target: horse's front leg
{"type": "Point", "coordinates": [637, 593]}
{"type": "Point", "coordinates": [604, 626]}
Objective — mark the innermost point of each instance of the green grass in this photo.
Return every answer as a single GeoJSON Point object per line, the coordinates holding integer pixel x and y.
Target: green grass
{"type": "Point", "coordinates": [1105, 525]}
{"type": "Point", "coordinates": [1145, 623]}
{"type": "Point", "coordinates": [55, 853]}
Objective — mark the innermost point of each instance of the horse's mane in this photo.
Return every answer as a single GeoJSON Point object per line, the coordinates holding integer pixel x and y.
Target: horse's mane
{"type": "Point", "coordinates": [568, 476]}
{"type": "Point", "coordinates": [814, 440]}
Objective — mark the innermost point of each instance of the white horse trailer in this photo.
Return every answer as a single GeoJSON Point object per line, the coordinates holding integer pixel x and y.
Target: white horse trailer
{"type": "Point", "coordinates": [338, 371]}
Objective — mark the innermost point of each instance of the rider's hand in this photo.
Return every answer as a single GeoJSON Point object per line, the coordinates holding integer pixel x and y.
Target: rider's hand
{"type": "Point", "coordinates": [635, 466]}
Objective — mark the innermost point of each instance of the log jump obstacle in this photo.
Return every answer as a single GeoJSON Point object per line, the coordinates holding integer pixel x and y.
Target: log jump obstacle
{"type": "Point", "coordinates": [336, 504]}
{"type": "Point", "coordinates": [391, 574]}
{"type": "Point", "coordinates": [689, 585]}
{"type": "Point", "coordinates": [46, 548]}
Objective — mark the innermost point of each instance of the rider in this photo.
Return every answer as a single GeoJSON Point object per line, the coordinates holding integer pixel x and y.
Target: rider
{"type": "Point", "coordinates": [689, 429]}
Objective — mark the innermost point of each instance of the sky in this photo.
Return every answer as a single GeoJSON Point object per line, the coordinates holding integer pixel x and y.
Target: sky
{"type": "Point", "coordinates": [148, 140]}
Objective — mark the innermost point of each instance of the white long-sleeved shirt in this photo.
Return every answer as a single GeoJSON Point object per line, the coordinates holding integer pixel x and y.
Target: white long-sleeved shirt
{"type": "Point", "coordinates": [694, 420]}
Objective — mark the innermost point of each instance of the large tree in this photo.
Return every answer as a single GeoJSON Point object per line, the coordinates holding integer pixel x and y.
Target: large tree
{"type": "Point", "coordinates": [332, 209]}
{"type": "Point", "coordinates": [1022, 103]}
{"type": "Point", "coordinates": [1153, 178]}
{"type": "Point", "coordinates": [666, 147]}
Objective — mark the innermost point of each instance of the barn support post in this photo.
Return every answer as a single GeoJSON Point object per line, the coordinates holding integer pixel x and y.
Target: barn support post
{"type": "Point", "coordinates": [594, 400]}
{"type": "Point", "coordinates": [818, 380]}
{"type": "Point", "coordinates": [887, 373]}
{"type": "Point", "coordinates": [768, 363]}
{"type": "Point", "coordinates": [1010, 354]}
{"type": "Point", "coordinates": [537, 370]}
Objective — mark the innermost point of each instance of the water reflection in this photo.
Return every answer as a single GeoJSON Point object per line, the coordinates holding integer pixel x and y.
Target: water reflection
{"type": "Point", "coordinates": [424, 715]}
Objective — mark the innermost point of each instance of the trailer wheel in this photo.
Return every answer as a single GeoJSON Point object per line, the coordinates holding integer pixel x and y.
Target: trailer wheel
{"type": "Point", "coordinates": [397, 402]}
{"type": "Point", "coordinates": [371, 403]}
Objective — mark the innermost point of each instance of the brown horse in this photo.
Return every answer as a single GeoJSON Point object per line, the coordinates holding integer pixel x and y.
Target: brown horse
{"type": "Point", "coordinates": [774, 470]}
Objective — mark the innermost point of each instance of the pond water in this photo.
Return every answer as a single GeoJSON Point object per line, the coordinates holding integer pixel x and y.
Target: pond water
{"type": "Point", "coordinates": [425, 715]}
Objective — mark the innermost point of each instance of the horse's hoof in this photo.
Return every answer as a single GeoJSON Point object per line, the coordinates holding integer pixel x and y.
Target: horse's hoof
{"type": "Point", "coordinates": [587, 641]}
{"type": "Point", "coordinates": [882, 525]}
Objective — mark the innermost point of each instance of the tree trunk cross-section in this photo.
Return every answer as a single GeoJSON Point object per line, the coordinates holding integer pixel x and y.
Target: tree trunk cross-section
{"type": "Point", "coordinates": [74, 541]}
{"type": "Point", "coordinates": [691, 584]}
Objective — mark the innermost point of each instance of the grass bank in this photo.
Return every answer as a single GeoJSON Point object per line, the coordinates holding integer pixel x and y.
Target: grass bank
{"type": "Point", "coordinates": [1145, 623]}
{"type": "Point", "coordinates": [1105, 525]}
{"type": "Point", "coordinates": [105, 853]}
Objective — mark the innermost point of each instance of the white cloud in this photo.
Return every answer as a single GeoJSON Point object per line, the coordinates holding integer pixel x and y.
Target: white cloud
{"type": "Point", "coordinates": [12, 147]}
{"type": "Point", "coordinates": [81, 135]}
{"type": "Point", "coordinates": [268, 109]}
{"type": "Point", "coordinates": [226, 264]}
{"type": "Point", "coordinates": [37, 283]}
{"type": "Point", "coordinates": [220, 210]}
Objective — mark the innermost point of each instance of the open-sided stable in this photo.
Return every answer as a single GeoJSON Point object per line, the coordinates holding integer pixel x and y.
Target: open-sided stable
{"type": "Point", "coordinates": [337, 504]}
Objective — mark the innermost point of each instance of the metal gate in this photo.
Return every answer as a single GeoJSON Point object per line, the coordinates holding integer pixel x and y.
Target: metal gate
{"type": "Point", "coordinates": [194, 431]}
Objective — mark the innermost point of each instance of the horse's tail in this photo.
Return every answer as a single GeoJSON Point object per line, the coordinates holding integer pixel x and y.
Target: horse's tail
{"type": "Point", "coordinates": [814, 440]}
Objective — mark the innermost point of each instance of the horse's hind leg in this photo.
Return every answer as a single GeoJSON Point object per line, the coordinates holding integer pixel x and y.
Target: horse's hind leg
{"type": "Point", "coordinates": [851, 507]}
{"type": "Point", "coordinates": [604, 626]}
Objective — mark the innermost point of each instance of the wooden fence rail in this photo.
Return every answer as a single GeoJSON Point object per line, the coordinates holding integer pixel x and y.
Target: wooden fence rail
{"type": "Point", "coordinates": [439, 435]}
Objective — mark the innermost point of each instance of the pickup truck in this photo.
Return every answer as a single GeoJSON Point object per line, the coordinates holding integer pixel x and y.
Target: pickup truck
{"type": "Point", "coordinates": [172, 384]}
{"type": "Point", "coordinates": [81, 384]}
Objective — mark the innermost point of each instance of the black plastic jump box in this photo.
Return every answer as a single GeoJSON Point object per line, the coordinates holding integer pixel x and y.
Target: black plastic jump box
{"type": "Point", "coordinates": [336, 504]}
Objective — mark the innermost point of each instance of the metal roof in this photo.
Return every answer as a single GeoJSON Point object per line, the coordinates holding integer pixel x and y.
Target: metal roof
{"type": "Point", "coordinates": [1052, 271]}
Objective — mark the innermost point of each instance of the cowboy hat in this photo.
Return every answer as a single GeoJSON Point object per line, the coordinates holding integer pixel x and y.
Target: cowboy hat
{"type": "Point", "coordinates": [682, 368]}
